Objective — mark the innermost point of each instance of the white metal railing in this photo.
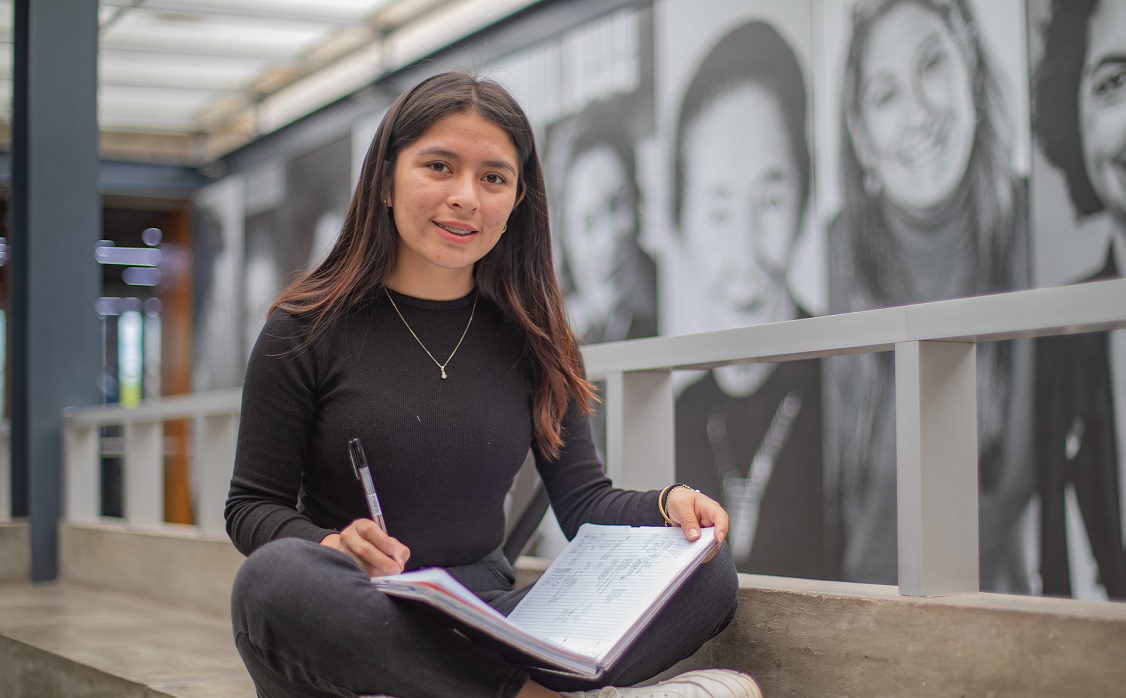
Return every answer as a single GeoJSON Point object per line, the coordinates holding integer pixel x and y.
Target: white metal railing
{"type": "Point", "coordinates": [936, 427]}
{"type": "Point", "coordinates": [214, 417]}
{"type": "Point", "coordinates": [936, 401]}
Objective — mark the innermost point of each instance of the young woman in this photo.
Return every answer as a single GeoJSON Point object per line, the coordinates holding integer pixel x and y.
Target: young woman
{"type": "Point", "coordinates": [932, 211]}
{"type": "Point", "coordinates": [435, 332]}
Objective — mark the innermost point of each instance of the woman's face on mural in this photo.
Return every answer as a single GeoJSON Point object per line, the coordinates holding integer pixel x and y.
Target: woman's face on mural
{"type": "Point", "coordinates": [742, 207]}
{"type": "Point", "coordinates": [598, 226]}
{"type": "Point", "coordinates": [1102, 105]}
{"type": "Point", "coordinates": [916, 108]}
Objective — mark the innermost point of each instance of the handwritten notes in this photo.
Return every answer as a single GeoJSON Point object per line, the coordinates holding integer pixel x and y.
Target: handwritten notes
{"type": "Point", "coordinates": [604, 582]}
{"type": "Point", "coordinates": [591, 603]}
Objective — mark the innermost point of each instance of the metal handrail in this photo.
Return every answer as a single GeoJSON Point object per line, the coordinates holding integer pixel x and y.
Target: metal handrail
{"type": "Point", "coordinates": [934, 343]}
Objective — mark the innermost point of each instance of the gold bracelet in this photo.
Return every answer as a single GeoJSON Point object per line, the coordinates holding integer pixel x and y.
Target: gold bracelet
{"type": "Point", "coordinates": [663, 498]}
{"type": "Point", "coordinates": [661, 504]}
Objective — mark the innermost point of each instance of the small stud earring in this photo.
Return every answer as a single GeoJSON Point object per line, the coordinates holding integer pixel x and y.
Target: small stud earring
{"type": "Point", "coordinates": [504, 229]}
{"type": "Point", "coordinates": [872, 185]}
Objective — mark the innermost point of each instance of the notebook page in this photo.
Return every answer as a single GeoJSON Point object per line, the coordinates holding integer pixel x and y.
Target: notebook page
{"type": "Point", "coordinates": [603, 583]}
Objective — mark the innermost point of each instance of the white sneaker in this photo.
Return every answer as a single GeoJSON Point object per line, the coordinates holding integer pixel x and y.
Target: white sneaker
{"type": "Point", "coordinates": [706, 683]}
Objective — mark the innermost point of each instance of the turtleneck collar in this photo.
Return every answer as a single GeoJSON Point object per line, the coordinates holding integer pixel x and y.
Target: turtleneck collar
{"type": "Point", "coordinates": [936, 246]}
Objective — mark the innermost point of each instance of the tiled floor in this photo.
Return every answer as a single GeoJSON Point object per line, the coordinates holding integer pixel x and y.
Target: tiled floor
{"type": "Point", "coordinates": [106, 642]}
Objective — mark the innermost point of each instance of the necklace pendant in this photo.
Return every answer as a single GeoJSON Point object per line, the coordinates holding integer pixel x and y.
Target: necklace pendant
{"type": "Point", "coordinates": [441, 367]}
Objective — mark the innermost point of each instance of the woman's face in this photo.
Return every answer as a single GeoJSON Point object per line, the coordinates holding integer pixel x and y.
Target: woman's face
{"type": "Point", "coordinates": [598, 226]}
{"type": "Point", "coordinates": [452, 192]}
{"type": "Point", "coordinates": [916, 108]}
{"type": "Point", "coordinates": [1102, 106]}
{"type": "Point", "coordinates": [742, 207]}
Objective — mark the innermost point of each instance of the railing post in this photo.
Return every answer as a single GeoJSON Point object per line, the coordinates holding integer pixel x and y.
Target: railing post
{"type": "Point", "coordinates": [213, 462]}
{"type": "Point", "coordinates": [144, 472]}
{"type": "Point", "coordinates": [936, 475]}
{"type": "Point", "coordinates": [640, 421]}
{"type": "Point", "coordinates": [82, 486]}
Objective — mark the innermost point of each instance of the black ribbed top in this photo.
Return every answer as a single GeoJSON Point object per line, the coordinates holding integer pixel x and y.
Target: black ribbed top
{"type": "Point", "coordinates": [443, 453]}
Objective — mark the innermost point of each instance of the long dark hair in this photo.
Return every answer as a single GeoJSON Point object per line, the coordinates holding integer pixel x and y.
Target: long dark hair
{"type": "Point", "coordinates": [1055, 98]}
{"type": "Point", "coordinates": [517, 274]}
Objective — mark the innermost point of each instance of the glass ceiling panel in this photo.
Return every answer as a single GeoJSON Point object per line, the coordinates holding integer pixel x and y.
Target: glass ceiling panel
{"type": "Point", "coordinates": [156, 100]}
{"type": "Point", "coordinates": [331, 10]}
{"type": "Point", "coordinates": [157, 70]}
{"type": "Point", "coordinates": [176, 67]}
{"type": "Point", "coordinates": [138, 122]}
{"type": "Point", "coordinates": [343, 8]}
{"type": "Point", "coordinates": [205, 33]}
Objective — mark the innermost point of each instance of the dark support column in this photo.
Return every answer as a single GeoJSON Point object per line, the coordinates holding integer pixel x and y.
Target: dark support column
{"type": "Point", "coordinates": [56, 221]}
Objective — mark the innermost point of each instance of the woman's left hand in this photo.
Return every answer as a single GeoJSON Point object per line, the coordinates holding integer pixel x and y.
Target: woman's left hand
{"type": "Point", "coordinates": [690, 510]}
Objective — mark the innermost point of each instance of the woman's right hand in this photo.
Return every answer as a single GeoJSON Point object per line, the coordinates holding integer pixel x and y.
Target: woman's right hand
{"type": "Point", "coordinates": [374, 551]}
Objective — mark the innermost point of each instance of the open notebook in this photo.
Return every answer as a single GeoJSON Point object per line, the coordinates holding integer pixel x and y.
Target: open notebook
{"type": "Point", "coordinates": [596, 597]}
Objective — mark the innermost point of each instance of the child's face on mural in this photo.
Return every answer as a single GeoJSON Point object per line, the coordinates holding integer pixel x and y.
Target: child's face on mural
{"type": "Point", "coordinates": [1102, 106]}
{"type": "Point", "coordinates": [916, 108]}
{"type": "Point", "coordinates": [742, 207]}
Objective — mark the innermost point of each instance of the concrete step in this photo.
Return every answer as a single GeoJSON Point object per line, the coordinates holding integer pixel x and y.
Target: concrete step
{"type": "Point", "coordinates": [64, 641]}
{"type": "Point", "coordinates": [143, 613]}
{"type": "Point", "coordinates": [827, 639]}
{"type": "Point", "coordinates": [15, 551]}
{"type": "Point", "coordinates": [799, 638]}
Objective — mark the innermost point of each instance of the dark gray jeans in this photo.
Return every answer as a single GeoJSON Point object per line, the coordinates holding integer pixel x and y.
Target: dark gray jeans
{"type": "Point", "coordinates": [307, 622]}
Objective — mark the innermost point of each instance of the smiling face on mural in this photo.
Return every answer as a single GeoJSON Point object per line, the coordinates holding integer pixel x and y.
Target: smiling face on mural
{"type": "Point", "coordinates": [742, 207]}
{"type": "Point", "coordinates": [916, 108]}
{"type": "Point", "coordinates": [1102, 106]}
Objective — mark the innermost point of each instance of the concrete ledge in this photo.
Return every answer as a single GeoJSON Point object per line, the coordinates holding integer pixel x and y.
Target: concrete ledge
{"type": "Point", "coordinates": [31, 671]}
{"type": "Point", "coordinates": [171, 564]}
{"type": "Point", "coordinates": [62, 641]}
{"type": "Point", "coordinates": [798, 637]}
{"type": "Point", "coordinates": [15, 551]}
{"type": "Point", "coordinates": [806, 638]}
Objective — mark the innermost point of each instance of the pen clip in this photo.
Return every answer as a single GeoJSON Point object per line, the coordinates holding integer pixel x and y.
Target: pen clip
{"type": "Point", "coordinates": [356, 455]}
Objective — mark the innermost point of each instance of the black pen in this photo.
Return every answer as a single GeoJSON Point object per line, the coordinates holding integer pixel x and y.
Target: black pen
{"type": "Point", "coordinates": [363, 474]}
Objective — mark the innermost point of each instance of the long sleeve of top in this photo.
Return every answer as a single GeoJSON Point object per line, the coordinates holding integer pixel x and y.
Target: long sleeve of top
{"type": "Point", "coordinates": [443, 452]}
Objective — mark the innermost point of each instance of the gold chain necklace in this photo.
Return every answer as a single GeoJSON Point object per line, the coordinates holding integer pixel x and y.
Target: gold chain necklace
{"type": "Point", "coordinates": [441, 366]}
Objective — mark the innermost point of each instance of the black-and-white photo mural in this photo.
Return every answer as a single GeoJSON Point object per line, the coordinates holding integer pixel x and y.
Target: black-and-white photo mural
{"type": "Point", "coordinates": [294, 212]}
{"type": "Point", "coordinates": [1078, 63]}
{"type": "Point", "coordinates": [742, 162]}
{"type": "Point", "coordinates": [739, 192]}
{"type": "Point", "coordinates": [218, 222]}
{"type": "Point", "coordinates": [609, 279]}
{"type": "Point", "coordinates": [928, 202]}
{"type": "Point", "coordinates": [589, 95]}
